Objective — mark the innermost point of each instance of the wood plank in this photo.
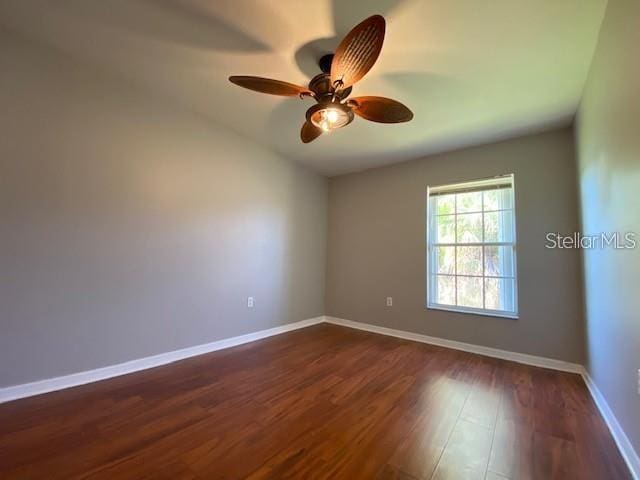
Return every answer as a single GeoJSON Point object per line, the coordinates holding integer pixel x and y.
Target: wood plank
{"type": "Point", "coordinates": [467, 453]}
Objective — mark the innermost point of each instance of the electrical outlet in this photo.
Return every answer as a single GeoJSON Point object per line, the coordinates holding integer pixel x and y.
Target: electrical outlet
{"type": "Point", "coordinates": [250, 302]}
{"type": "Point", "coordinates": [389, 301]}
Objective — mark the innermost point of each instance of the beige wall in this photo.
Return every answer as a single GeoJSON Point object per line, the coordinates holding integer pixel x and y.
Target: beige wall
{"type": "Point", "coordinates": [376, 246]}
{"type": "Point", "coordinates": [608, 131]}
{"type": "Point", "coordinates": [130, 228]}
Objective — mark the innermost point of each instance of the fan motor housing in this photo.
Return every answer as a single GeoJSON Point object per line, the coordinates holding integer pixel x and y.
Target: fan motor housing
{"type": "Point", "coordinates": [322, 87]}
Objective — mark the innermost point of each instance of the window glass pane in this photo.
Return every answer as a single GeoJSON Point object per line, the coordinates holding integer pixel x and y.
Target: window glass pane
{"type": "Point", "coordinates": [445, 204]}
{"type": "Point", "coordinates": [499, 294]}
{"type": "Point", "coordinates": [498, 199]}
{"type": "Point", "coordinates": [469, 202]}
{"type": "Point", "coordinates": [445, 229]}
{"type": "Point", "coordinates": [469, 261]}
{"type": "Point", "coordinates": [498, 261]}
{"type": "Point", "coordinates": [471, 247]}
{"type": "Point", "coordinates": [445, 290]}
{"type": "Point", "coordinates": [469, 292]}
{"type": "Point", "coordinates": [498, 226]}
{"type": "Point", "coordinates": [444, 259]}
{"type": "Point", "coordinates": [469, 228]}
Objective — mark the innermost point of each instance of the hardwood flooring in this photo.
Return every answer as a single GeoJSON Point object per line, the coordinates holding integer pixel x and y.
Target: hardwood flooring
{"type": "Point", "coordinates": [325, 402]}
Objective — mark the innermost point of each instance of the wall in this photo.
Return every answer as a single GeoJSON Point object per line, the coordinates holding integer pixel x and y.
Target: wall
{"type": "Point", "coordinates": [376, 246]}
{"type": "Point", "coordinates": [609, 177]}
{"type": "Point", "coordinates": [130, 228]}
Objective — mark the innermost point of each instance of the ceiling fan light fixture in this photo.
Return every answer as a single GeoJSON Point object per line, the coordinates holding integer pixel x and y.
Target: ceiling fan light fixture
{"type": "Point", "coordinates": [353, 58]}
{"type": "Point", "coordinates": [330, 116]}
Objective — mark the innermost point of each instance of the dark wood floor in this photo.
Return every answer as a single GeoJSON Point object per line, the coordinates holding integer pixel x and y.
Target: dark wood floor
{"type": "Point", "coordinates": [323, 402]}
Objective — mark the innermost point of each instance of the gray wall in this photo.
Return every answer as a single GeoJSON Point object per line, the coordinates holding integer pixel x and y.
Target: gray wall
{"type": "Point", "coordinates": [609, 176]}
{"type": "Point", "coordinates": [376, 246]}
{"type": "Point", "coordinates": [129, 228]}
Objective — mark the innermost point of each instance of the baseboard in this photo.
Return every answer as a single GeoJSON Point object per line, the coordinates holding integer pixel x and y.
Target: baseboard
{"type": "Point", "coordinates": [59, 383]}
{"type": "Point", "coordinates": [465, 347]}
{"type": "Point", "coordinates": [624, 445]}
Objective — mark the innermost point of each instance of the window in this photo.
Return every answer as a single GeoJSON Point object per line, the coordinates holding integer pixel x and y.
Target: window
{"type": "Point", "coordinates": [471, 247]}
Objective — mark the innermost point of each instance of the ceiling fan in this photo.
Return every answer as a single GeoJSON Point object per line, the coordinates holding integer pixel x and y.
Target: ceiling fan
{"type": "Point", "coordinates": [353, 58]}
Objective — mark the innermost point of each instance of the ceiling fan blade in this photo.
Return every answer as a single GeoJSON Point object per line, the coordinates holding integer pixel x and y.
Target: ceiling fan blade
{"type": "Point", "coordinates": [267, 85]}
{"type": "Point", "coordinates": [309, 132]}
{"type": "Point", "coordinates": [380, 109]}
{"type": "Point", "coordinates": [358, 51]}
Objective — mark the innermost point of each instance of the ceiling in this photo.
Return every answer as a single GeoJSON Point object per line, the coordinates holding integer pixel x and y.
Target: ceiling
{"type": "Point", "coordinates": [472, 71]}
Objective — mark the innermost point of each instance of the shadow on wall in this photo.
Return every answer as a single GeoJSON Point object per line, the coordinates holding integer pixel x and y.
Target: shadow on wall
{"type": "Point", "coordinates": [131, 229]}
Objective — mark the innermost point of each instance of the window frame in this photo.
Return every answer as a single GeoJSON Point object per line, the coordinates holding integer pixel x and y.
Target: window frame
{"type": "Point", "coordinates": [459, 187]}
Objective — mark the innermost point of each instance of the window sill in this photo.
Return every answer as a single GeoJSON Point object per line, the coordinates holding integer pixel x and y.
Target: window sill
{"type": "Point", "coordinates": [472, 311]}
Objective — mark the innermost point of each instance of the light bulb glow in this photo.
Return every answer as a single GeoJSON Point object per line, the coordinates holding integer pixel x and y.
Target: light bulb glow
{"type": "Point", "coordinates": [330, 117]}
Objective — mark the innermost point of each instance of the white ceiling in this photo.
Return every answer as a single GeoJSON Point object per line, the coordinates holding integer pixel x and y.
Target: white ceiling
{"type": "Point", "coordinates": [472, 71]}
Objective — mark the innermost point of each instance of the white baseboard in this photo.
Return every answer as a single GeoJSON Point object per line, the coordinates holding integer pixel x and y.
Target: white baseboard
{"type": "Point", "coordinates": [624, 445]}
{"type": "Point", "coordinates": [465, 347]}
{"type": "Point", "coordinates": [58, 383]}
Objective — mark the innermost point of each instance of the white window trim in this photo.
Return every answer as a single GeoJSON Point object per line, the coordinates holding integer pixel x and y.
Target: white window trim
{"type": "Point", "coordinates": [474, 310]}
